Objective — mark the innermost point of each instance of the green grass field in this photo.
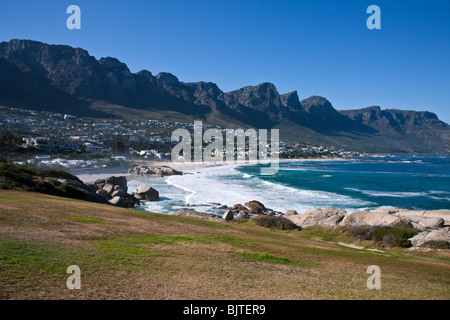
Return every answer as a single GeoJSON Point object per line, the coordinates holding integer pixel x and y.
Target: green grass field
{"type": "Point", "coordinates": [131, 254]}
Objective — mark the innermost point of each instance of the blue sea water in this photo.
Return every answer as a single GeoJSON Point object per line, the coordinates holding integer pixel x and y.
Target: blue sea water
{"type": "Point", "coordinates": [402, 182]}
{"type": "Point", "coordinates": [408, 182]}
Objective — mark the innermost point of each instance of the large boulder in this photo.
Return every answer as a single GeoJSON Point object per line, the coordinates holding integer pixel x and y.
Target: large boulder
{"type": "Point", "coordinates": [110, 183]}
{"type": "Point", "coordinates": [228, 215]}
{"type": "Point", "coordinates": [117, 201]}
{"type": "Point", "coordinates": [102, 193]}
{"type": "Point", "coordinates": [109, 188]}
{"type": "Point", "coordinates": [421, 216]}
{"type": "Point", "coordinates": [255, 207]}
{"type": "Point", "coordinates": [156, 170]}
{"type": "Point", "coordinates": [147, 193]}
{"type": "Point", "coordinates": [239, 207]}
{"type": "Point", "coordinates": [168, 171]}
{"type": "Point", "coordinates": [370, 219]}
{"type": "Point", "coordinates": [290, 213]}
{"type": "Point", "coordinates": [121, 182]}
{"type": "Point", "coordinates": [426, 236]}
{"type": "Point", "coordinates": [432, 223]}
{"type": "Point", "coordinates": [328, 217]}
{"type": "Point", "coordinates": [241, 216]}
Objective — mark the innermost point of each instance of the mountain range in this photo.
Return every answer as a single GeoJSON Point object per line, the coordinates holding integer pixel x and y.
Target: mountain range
{"type": "Point", "coordinates": [69, 80]}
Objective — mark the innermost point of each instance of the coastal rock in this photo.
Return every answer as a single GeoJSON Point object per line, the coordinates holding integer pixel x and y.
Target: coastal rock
{"type": "Point", "coordinates": [290, 213]}
{"type": "Point", "coordinates": [129, 201]}
{"type": "Point", "coordinates": [329, 217]}
{"type": "Point", "coordinates": [147, 193]}
{"type": "Point", "coordinates": [239, 207]}
{"type": "Point", "coordinates": [228, 215]}
{"type": "Point", "coordinates": [388, 210]}
{"type": "Point", "coordinates": [143, 188]}
{"type": "Point", "coordinates": [115, 190]}
{"type": "Point", "coordinates": [109, 188]}
{"type": "Point", "coordinates": [154, 170]}
{"type": "Point", "coordinates": [255, 207]}
{"type": "Point", "coordinates": [370, 219]}
{"type": "Point", "coordinates": [120, 182]}
{"type": "Point", "coordinates": [113, 181]}
{"type": "Point", "coordinates": [102, 193]}
{"type": "Point", "coordinates": [417, 216]}
{"type": "Point", "coordinates": [432, 223]}
{"type": "Point", "coordinates": [242, 215]}
{"type": "Point", "coordinates": [116, 201]}
{"type": "Point", "coordinates": [118, 191]}
{"type": "Point", "coordinates": [425, 236]}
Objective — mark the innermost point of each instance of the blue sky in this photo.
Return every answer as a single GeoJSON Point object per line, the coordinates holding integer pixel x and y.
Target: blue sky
{"type": "Point", "coordinates": [320, 47]}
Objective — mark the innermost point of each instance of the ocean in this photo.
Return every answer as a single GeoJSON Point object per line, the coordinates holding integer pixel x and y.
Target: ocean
{"type": "Point", "coordinates": [407, 182]}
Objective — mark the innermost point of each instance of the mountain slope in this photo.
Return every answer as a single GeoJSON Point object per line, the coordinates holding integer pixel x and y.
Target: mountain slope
{"type": "Point", "coordinates": [68, 80]}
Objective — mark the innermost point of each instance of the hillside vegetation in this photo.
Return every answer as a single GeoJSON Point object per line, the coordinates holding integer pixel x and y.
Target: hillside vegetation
{"type": "Point", "coordinates": [132, 254]}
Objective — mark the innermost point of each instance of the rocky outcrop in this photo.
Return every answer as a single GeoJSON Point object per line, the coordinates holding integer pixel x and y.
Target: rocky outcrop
{"type": "Point", "coordinates": [442, 235]}
{"type": "Point", "coordinates": [433, 224]}
{"type": "Point", "coordinates": [424, 217]}
{"type": "Point", "coordinates": [144, 170]}
{"type": "Point", "coordinates": [241, 216]}
{"type": "Point", "coordinates": [147, 193]}
{"type": "Point", "coordinates": [115, 191]}
{"type": "Point", "coordinates": [255, 207]}
{"type": "Point", "coordinates": [228, 215]}
{"type": "Point", "coordinates": [239, 207]}
{"type": "Point", "coordinates": [290, 213]}
{"type": "Point", "coordinates": [329, 217]}
{"type": "Point", "coordinates": [370, 219]}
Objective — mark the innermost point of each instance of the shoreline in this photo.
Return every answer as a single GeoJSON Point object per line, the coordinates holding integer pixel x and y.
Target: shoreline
{"type": "Point", "coordinates": [192, 168]}
{"type": "Point", "coordinates": [90, 175]}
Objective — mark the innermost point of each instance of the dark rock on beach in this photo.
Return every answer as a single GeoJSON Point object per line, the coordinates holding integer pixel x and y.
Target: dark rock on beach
{"type": "Point", "coordinates": [147, 193]}
{"type": "Point", "coordinates": [154, 170]}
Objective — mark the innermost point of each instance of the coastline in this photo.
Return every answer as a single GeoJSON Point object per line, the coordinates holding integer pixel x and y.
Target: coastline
{"type": "Point", "coordinates": [207, 182]}
{"type": "Point", "coordinates": [90, 175]}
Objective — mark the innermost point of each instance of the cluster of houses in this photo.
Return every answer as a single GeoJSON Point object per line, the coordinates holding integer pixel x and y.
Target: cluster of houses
{"type": "Point", "coordinates": [51, 132]}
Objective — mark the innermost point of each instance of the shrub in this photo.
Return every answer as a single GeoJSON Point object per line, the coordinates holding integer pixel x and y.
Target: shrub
{"type": "Point", "coordinates": [396, 236]}
{"type": "Point", "coordinates": [70, 191]}
{"type": "Point", "coordinates": [274, 222]}
{"type": "Point", "coordinates": [437, 244]}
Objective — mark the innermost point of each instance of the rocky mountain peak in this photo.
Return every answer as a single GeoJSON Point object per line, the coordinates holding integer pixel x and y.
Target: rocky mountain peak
{"type": "Point", "coordinates": [317, 105]}
{"type": "Point", "coordinates": [167, 78]}
{"type": "Point", "coordinates": [291, 100]}
{"type": "Point", "coordinates": [113, 64]}
{"type": "Point", "coordinates": [63, 79]}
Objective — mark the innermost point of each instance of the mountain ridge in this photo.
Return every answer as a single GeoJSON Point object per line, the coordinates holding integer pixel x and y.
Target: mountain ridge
{"type": "Point", "coordinates": [69, 80]}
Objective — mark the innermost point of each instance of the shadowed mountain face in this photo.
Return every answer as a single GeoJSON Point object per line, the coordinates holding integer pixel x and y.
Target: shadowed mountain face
{"type": "Point", "coordinates": [68, 80]}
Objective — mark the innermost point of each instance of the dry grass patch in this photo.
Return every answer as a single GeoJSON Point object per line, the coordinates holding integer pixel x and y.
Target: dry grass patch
{"type": "Point", "coordinates": [131, 254]}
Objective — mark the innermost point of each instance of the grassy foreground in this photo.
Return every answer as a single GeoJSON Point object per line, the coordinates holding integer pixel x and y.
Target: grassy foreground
{"type": "Point", "coordinates": [131, 254]}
